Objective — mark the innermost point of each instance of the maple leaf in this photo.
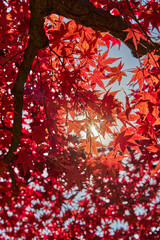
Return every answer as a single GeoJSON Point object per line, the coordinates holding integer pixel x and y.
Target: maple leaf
{"type": "Point", "coordinates": [139, 75]}
{"type": "Point", "coordinates": [152, 148]}
{"type": "Point", "coordinates": [96, 78]}
{"type": "Point", "coordinates": [145, 101]}
{"type": "Point", "coordinates": [105, 127]}
{"type": "Point", "coordinates": [26, 160]}
{"type": "Point", "coordinates": [157, 122]}
{"type": "Point", "coordinates": [74, 126]}
{"type": "Point", "coordinates": [135, 34]}
{"type": "Point", "coordinates": [40, 134]}
{"type": "Point", "coordinates": [91, 161]}
{"type": "Point", "coordinates": [115, 74]}
{"type": "Point", "coordinates": [150, 15]}
{"type": "Point", "coordinates": [109, 39]}
{"type": "Point", "coordinates": [91, 145]}
{"type": "Point", "coordinates": [109, 105]}
{"type": "Point", "coordinates": [73, 176]}
{"type": "Point", "coordinates": [112, 161]}
{"type": "Point", "coordinates": [124, 139]}
{"type": "Point", "coordinates": [156, 169]}
{"type": "Point", "coordinates": [103, 61]}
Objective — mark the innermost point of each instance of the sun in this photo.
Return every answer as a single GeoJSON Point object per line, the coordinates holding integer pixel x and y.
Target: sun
{"type": "Point", "coordinates": [93, 130]}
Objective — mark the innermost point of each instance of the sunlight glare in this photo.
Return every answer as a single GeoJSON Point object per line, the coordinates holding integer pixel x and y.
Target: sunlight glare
{"type": "Point", "coordinates": [93, 130]}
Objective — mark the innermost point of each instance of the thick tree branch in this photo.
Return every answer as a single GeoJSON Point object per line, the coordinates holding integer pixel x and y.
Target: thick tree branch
{"type": "Point", "coordinates": [83, 12]}
{"type": "Point", "coordinates": [18, 91]}
{"type": "Point", "coordinates": [37, 40]}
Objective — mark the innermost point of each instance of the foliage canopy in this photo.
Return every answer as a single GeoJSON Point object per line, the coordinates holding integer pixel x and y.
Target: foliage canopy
{"type": "Point", "coordinates": [58, 180]}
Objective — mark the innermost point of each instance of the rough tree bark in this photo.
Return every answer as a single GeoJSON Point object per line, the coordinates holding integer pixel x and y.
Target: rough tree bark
{"type": "Point", "coordinates": [82, 12]}
{"type": "Point", "coordinates": [86, 14]}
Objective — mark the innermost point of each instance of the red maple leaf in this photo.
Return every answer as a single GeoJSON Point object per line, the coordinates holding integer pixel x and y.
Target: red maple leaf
{"type": "Point", "coordinates": [115, 74]}
{"type": "Point", "coordinates": [26, 160]}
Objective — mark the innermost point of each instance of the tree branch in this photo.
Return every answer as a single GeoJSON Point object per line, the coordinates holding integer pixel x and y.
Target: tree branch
{"type": "Point", "coordinates": [37, 40]}
{"type": "Point", "coordinates": [85, 13]}
{"type": "Point", "coordinates": [18, 91]}
{"type": "Point", "coordinates": [3, 65]}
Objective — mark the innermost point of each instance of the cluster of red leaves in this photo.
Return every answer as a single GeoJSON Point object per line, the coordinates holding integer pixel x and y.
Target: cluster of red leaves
{"type": "Point", "coordinates": [69, 185]}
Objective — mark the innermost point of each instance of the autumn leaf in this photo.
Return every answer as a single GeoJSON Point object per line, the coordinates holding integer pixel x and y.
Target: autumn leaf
{"type": "Point", "coordinates": [156, 169]}
{"type": "Point", "coordinates": [103, 61]}
{"type": "Point", "coordinates": [90, 145]}
{"type": "Point", "coordinates": [96, 79]}
{"type": "Point", "coordinates": [152, 148]}
{"type": "Point", "coordinates": [140, 75]}
{"type": "Point", "coordinates": [73, 176]}
{"type": "Point", "coordinates": [40, 134]}
{"type": "Point", "coordinates": [112, 161]}
{"type": "Point", "coordinates": [115, 74]}
{"type": "Point", "coordinates": [135, 34]}
{"type": "Point", "coordinates": [74, 126]}
{"type": "Point", "coordinates": [125, 138]}
{"type": "Point", "coordinates": [26, 160]}
{"type": "Point", "coordinates": [157, 122]}
{"type": "Point", "coordinates": [111, 40]}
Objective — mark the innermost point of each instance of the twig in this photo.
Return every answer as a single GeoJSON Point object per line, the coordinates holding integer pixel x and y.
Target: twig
{"type": "Point", "coordinates": [140, 26]}
{"type": "Point", "coordinates": [11, 59]}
